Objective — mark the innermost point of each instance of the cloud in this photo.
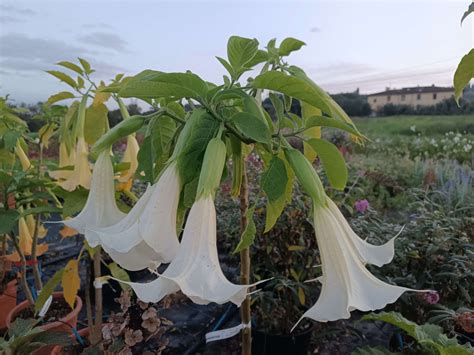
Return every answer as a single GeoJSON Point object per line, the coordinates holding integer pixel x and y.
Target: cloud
{"type": "Point", "coordinates": [21, 52]}
{"type": "Point", "coordinates": [10, 19]}
{"type": "Point", "coordinates": [105, 40]}
{"type": "Point", "coordinates": [15, 10]}
{"type": "Point", "coordinates": [315, 29]}
{"type": "Point", "coordinates": [101, 25]}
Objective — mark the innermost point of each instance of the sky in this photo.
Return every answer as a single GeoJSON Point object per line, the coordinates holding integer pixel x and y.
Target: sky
{"type": "Point", "coordinates": [368, 45]}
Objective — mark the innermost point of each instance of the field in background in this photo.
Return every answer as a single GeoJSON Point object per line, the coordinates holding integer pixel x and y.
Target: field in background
{"type": "Point", "coordinates": [373, 127]}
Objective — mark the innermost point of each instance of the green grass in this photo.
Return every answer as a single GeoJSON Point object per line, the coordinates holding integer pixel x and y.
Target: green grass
{"type": "Point", "coordinates": [426, 125]}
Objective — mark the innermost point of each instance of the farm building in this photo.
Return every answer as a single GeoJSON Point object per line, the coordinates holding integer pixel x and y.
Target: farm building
{"type": "Point", "coordinates": [414, 96]}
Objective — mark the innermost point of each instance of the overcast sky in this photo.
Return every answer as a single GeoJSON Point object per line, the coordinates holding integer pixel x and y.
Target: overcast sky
{"type": "Point", "coordinates": [350, 44]}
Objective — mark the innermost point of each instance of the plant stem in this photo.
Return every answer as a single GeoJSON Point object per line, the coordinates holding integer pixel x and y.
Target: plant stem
{"type": "Point", "coordinates": [245, 266]}
{"type": "Point", "coordinates": [34, 258]}
{"type": "Point", "coordinates": [98, 297]}
{"type": "Point", "coordinates": [90, 319]}
{"type": "Point", "coordinates": [24, 283]}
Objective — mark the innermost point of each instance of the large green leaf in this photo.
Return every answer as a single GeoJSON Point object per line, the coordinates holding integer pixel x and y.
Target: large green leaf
{"type": "Point", "coordinates": [241, 51]}
{"type": "Point", "coordinates": [172, 85]}
{"type": "Point", "coordinates": [318, 121]}
{"type": "Point", "coordinates": [120, 274]}
{"type": "Point", "coordinates": [8, 220]}
{"type": "Point", "coordinates": [333, 162]}
{"type": "Point", "coordinates": [248, 236]}
{"type": "Point", "coordinates": [85, 64]}
{"type": "Point", "coordinates": [71, 66]}
{"type": "Point", "coordinates": [463, 75]}
{"type": "Point", "coordinates": [289, 45]}
{"type": "Point", "coordinates": [252, 126]}
{"type": "Point", "coordinates": [274, 179]}
{"type": "Point", "coordinates": [96, 122]}
{"type": "Point", "coordinates": [204, 127]}
{"type": "Point", "coordinates": [60, 96]}
{"type": "Point", "coordinates": [63, 77]}
{"type": "Point", "coordinates": [292, 86]}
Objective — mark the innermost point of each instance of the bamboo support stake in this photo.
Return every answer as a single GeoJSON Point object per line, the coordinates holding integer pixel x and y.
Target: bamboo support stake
{"type": "Point", "coordinates": [245, 267]}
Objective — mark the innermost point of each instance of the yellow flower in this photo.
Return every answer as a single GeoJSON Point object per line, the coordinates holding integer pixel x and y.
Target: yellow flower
{"type": "Point", "coordinates": [81, 175]}
{"type": "Point", "coordinates": [26, 242]}
{"type": "Point", "coordinates": [65, 159]}
{"type": "Point", "coordinates": [130, 156]}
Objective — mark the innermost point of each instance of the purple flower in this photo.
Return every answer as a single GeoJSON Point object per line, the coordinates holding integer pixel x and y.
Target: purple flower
{"type": "Point", "coordinates": [362, 205]}
{"type": "Point", "coordinates": [431, 297]}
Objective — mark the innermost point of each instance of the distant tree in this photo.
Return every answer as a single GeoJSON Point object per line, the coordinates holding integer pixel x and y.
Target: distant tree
{"type": "Point", "coordinates": [115, 116]}
{"type": "Point", "coordinates": [445, 107]}
{"type": "Point", "coordinates": [353, 103]}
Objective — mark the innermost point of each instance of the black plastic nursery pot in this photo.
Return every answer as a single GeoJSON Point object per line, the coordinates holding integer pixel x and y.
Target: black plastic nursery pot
{"type": "Point", "coordinates": [266, 344]}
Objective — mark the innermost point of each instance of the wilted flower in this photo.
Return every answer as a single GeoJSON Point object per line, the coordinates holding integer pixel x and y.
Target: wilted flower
{"type": "Point", "coordinates": [133, 337]}
{"type": "Point", "coordinates": [147, 235]}
{"type": "Point", "coordinates": [362, 206]}
{"type": "Point", "coordinates": [151, 321]}
{"type": "Point", "coordinates": [81, 175]}
{"type": "Point", "coordinates": [100, 209]}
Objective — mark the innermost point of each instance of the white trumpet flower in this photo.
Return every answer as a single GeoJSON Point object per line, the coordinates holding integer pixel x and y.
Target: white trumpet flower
{"type": "Point", "coordinates": [81, 175]}
{"type": "Point", "coordinates": [196, 270]}
{"type": "Point", "coordinates": [100, 209]}
{"type": "Point", "coordinates": [146, 236]}
{"type": "Point", "coordinates": [346, 283]}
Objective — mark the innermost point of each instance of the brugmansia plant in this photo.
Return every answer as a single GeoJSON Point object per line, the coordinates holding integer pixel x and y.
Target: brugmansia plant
{"type": "Point", "coordinates": [197, 128]}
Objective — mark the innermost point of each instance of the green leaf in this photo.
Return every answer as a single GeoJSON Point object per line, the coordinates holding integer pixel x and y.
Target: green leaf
{"type": "Point", "coordinates": [333, 162]}
{"type": "Point", "coordinates": [71, 66]}
{"type": "Point", "coordinates": [41, 209]}
{"type": "Point", "coordinates": [21, 326]}
{"type": "Point", "coordinates": [275, 208]}
{"type": "Point", "coordinates": [252, 127]}
{"type": "Point", "coordinates": [289, 45]}
{"type": "Point", "coordinates": [48, 289]}
{"type": "Point", "coordinates": [8, 220]}
{"type": "Point", "coordinates": [120, 274]}
{"type": "Point", "coordinates": [241, 51]}
{"type": "Point", "coordinates": [260, 57]}
{"type": "Point", "coordinates": [318, 121]}
{"type": "Point", "coordinates": [60, 96]}
{"type": "Point", "coordinates": [469, 11]}
{"type": "Point", "coordinates": [291, 86]}
{"type": "Point", "coordinates": [172, 85]}
{"type": "Point", "coordinates": [248, 236]}
{"type": "Point", "coordinates": [63, 77]}
{"type": "Point", "coordinates": [395, 319]}
{"type": "Point", "coordinates": [96, 122]}
{"type": "Point", "coordinates": [279, 107]}
{"type": "Point", "coordinates": [74, 201]}
{"type": "Point", "coordinates": [463, 75]}
{"type": "Point", "coordinates": [274, 179]}
{"type": "Point", "coordinates": [203, 128]}
{"type": "Point", "coordinates": [85, 64]}
{"type": "Point", "coordinates": [227, 66]}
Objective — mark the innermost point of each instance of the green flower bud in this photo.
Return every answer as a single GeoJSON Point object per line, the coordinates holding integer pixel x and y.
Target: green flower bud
{"type": "Point", "coordinates": [307, 176]}
{"type": "Point", "coordinates": [212, 168]}
{"type": "Point", "coordinates": [123, 129]}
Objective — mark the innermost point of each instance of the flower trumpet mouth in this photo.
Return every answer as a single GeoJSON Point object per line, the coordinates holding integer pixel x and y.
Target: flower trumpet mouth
{"type": "Point", "coordinates": [146, 236]}
{"type": "Point", "coordinates": [347, 285]}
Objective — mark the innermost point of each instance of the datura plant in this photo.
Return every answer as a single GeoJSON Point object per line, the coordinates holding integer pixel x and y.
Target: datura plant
{"type": "Point", "coordinates": [201, 132]}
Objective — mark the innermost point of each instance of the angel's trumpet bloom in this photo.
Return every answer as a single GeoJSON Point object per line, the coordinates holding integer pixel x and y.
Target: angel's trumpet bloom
{"type": "Point", "coordinates": [147, 236]}
{"type": "Point", "coordinates": [81, 175]}
{"type": "Point", "coordinates": [100, 209]}
{"type": "Point", "coordinates": [31, 222]}
{"type": "Point", "coordinates": [130, 156]}
{"type": "Point", "coordinates": [25, 242]}
{"type": "Point", "coordinates": [65, 159]}
{"type": "Point", "coordinates": [24, 161]}
{"type": "Point", "coordinates": [346, 283]}
{"type": "Point", "coordinates": [196, 270]}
